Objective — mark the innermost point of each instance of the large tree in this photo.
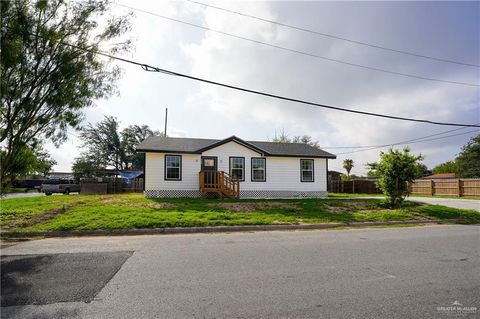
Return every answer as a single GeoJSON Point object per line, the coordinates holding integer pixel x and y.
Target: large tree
{"type": "Point", "coordinates": [47, 76]}
{"type": "Point", "coordinates": [31, 160]}
{"type": "Point", "coordinates": [305, 139]}
{"type": "Point", "coordinates": [111, 147]}
{"type": "Point", "coordinates": [447, 167]}
{"type": "Point", "coordinates": [468, 161]}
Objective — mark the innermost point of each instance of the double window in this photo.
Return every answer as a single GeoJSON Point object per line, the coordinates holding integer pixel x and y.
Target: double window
{"type": "Point", "coordinates": [306, 170]}
{"type": "Point", "coordinates": [258, 169]}
{"type": "Point", "coordinates": [237, 168]}
{"type": "Point", "coordinates": [173, 167]}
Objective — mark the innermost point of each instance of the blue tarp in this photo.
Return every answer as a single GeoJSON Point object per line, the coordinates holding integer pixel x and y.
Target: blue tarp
{"type": "Point", "coordinates": [129, 176]}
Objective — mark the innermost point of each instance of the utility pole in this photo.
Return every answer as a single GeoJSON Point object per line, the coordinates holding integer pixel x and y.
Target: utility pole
{"type": "Point", "coordinates": [166, 117]}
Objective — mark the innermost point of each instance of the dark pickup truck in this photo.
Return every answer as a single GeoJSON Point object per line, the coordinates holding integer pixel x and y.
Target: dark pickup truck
{"type": "Point", "coordinates": [64, 186]}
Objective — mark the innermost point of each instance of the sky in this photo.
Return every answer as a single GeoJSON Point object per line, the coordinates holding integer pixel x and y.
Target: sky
{"type": "Point", "coordinates": [448, 30]}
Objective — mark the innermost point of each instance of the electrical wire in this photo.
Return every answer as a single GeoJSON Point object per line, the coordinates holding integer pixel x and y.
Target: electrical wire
{"type": "Point", "coordinates": [402, 143]}
{"type": "Point", "coordinates": [298, 51]}
{"type": "Point", "coordinates": [335, 36]}
{"type": "Point", "coordinates": [150, 68]}
{"type": "Point", "coordinates": [399, 143]}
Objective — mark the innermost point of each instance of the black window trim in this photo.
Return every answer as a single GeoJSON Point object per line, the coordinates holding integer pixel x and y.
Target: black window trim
{"type": "Point", "coordinates": [264, 170]}
{"type": "Point", "coordinates": [230, 166]}
{"type": "Point", "coordinates": [165, 168]}
{"type": "Point", "coordinates": [313, 170]}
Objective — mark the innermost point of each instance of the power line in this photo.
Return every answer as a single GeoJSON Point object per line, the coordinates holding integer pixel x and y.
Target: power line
{"type": "Point", "coordinates": [298, 51]}
{"type": "Point", "coordinates": [150, 68]}
{"type": "Point", "coordinates": [399, 143]}
{"type": "Point", "coordinates": [334, 36]}
{"type": "Point", "coordinates": [404, 143]}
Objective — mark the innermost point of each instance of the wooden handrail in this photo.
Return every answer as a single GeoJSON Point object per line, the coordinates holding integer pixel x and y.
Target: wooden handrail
{"type": "Point", "coordinates": [220, 182]}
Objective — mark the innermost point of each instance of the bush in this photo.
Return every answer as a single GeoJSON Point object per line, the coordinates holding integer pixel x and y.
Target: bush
{"type": "Point", "coordinates": [396, 170]}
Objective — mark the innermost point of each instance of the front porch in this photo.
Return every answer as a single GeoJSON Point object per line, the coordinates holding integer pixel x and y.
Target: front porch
{"type": "Point", "coordinates": [218, 184]}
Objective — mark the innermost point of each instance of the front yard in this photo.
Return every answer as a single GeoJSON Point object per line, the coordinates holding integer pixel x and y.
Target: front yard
{"type": "Point", "coordinates": [91, 212]}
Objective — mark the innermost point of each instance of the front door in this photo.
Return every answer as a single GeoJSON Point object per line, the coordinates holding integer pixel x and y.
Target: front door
{"type": "Point", "coordinates": [209, 165]}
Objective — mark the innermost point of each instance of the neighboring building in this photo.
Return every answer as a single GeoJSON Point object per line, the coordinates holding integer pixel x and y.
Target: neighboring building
{"type": "Point", "coordinates": [441, 176]}
{"type": "Point", "coordinates": [334, 176]}
{"type": "Point", "coordinates": [173, 168]}
{"type": "Point", "coordinates": [65, 175]}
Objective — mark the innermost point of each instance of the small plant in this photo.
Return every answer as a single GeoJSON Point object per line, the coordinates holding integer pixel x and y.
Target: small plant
{"type": "Point", "coordinates": [396, 170]}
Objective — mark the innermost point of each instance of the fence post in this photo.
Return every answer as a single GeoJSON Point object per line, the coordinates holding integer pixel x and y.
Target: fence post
{"type": "Point", "coordinates": [353, 186]}
{"type": "Point", "coordinates": [432, 188]}
{"type": "Point", "coordinates": [459, 187]}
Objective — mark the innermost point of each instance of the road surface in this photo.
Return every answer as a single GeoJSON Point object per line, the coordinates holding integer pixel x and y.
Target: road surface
{"type": "Point", "coordinates": [416, 272]}
{"type": "Point", "coordinates": [449, 202]}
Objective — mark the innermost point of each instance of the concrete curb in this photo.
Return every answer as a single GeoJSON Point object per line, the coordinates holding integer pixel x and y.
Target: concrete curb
{"type": "Point", "coordinates": [211, 229]}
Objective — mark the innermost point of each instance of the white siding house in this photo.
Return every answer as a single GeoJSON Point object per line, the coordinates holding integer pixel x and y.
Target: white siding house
{"type": "Point", "coordinates": [172, 167]}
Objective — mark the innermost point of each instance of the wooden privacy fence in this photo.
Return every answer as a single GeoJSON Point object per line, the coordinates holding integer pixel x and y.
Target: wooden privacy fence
{"type": "Point", "coordinates": [447, 187]}
{"type": "Point", "coordinates": [110, 185]}
{"type": "Point", "coordinates": [359, 186]}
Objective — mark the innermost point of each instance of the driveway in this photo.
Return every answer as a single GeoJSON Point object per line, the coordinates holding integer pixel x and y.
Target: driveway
{"type": "Point", "coordinates": [418, 272]}
{"type": "Point", "coordinates": [449, 202]}
{"type": "Point", "coordinates": [32, 194]}
{"type": "Point", "coordinates": [20, 195]}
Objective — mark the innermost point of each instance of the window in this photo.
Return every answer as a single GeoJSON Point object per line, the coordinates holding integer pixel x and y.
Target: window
{"type": "Point", "coordinates": [237, 168]}
{"type": "Point", "coordinates": [306, 170]}
{"type": "Point", "coordinates": [258, 169]}
{"type": "Point", "coordinates": [173, 167]}
{"type": "Point", "coordinates": [209, 162]}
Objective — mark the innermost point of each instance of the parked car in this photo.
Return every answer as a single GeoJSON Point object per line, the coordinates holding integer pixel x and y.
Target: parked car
{"type": "Point", "coordinates": [64, 186]}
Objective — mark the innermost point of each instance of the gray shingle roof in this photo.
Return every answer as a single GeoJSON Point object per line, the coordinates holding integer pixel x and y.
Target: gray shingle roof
{"type": "Point", "coordinates": [196, 145]}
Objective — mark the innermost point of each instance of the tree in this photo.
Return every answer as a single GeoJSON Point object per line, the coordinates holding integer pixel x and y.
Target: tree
{"type": "Point", "coordinates": [447, 167]}
{"type": "Point", "coordinates": [31, 160]}
{"type": "Point", "coordinates": [396, 170]}
{"type": "Point", "coordinates": [85, 167]}
{"type": "Point", "coordinates": [422, 170]}
{"type": "Point", "coordinates": [131, 137]}
{"type": "Point", "coordinates": [111, 147]}
{"type": "Point", "coordinates": [305, 139]}
{"type": "Point", "coordinates": [47, 76]}
{"type": "Point", "coordinates": [468, 161]}
{"type": "Point", "coordinates": [348, 165]}
{"type": "Point", "coordinates": [44, 162]}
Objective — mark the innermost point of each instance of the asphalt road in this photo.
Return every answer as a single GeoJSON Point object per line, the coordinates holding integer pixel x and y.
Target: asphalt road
{"type": "Point", "coordinates": [53, 278]}
{"type": "Point", "coordinates": [361, 273]}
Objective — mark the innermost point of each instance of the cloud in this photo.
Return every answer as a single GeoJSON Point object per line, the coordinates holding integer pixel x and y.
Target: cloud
{"type": "Point", "coordinates": [241, 63]}
{"type": "Point", "coordinates": [201, 110]}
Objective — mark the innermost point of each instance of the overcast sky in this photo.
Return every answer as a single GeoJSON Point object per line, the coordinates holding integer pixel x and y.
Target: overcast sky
{"type": "Point", "coordinates": [448, 30]}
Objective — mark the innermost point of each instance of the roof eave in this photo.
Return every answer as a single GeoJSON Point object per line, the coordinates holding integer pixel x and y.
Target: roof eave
{"type": "Point", "coordinates": [166, 151]}
{"type": "Point", "coordinates": [236, 140]}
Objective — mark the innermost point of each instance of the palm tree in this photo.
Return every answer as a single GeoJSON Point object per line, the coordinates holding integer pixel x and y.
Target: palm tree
{"type": "Point", "coordinates": [348, 165]}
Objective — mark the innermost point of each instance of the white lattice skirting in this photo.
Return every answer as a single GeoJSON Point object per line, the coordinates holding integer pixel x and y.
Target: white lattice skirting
{"type": "Point", "coordinates": [243, 194]}
{"type": "Point", "coordinates": [282, 194]}
{"type": "Point", "coordinates": [172, 193]}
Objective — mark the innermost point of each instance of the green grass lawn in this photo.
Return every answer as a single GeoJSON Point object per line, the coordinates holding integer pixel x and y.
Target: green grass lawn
{"type": "Point", "coordinates": [349, 195]}
{"type": "Point", "coordinates": [90, 212]}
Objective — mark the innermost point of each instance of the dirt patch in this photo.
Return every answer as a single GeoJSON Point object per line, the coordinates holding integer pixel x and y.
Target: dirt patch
{"type": "Point", "coordinates": [252, 207]}
{"type": "Point", "coordinates": [152, 205]}
{"type": "Point", "coordinates": [40, 218]}
{"type": "Point", "coordinates": [106, 198]}
{"type": "Point", "coordinates": [350, 206]}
